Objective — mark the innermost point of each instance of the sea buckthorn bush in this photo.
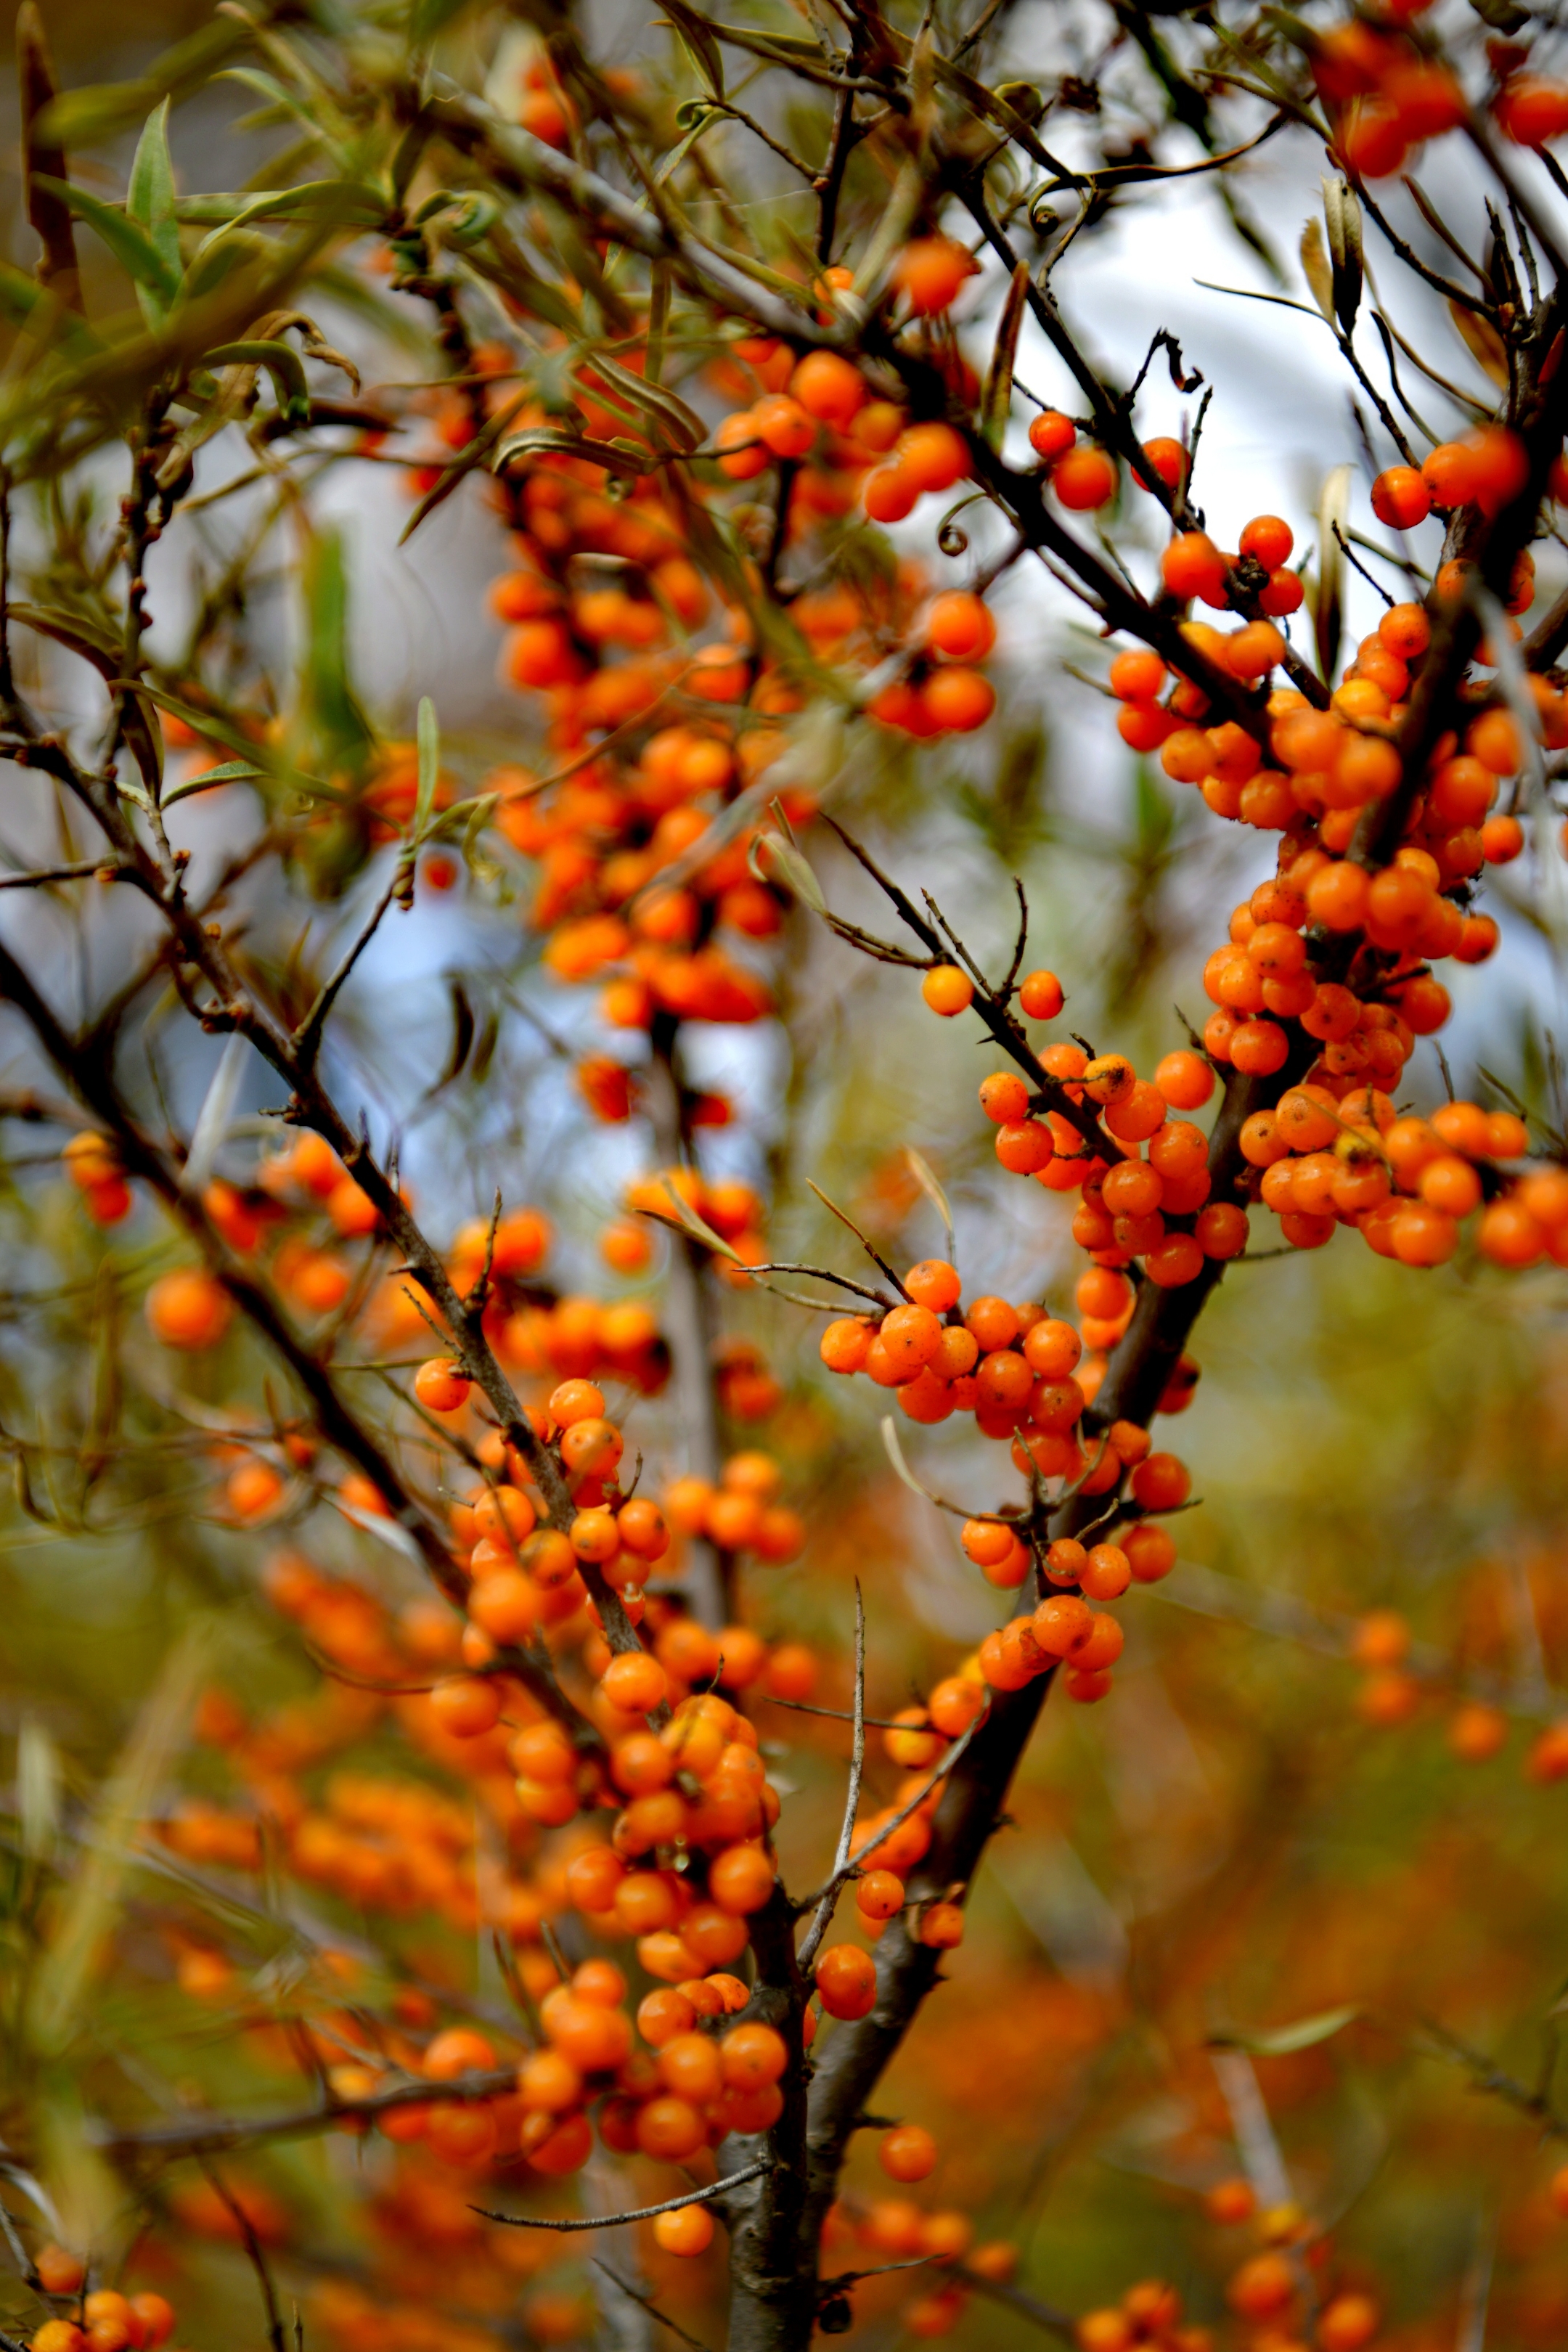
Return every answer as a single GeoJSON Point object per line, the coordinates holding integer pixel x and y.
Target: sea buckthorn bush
{"type": "Point", "coordinates": [553, 1465]}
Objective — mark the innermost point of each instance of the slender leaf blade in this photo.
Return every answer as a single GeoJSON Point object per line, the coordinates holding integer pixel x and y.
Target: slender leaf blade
{"type": "Point", "coordinates": [1283, 2041]}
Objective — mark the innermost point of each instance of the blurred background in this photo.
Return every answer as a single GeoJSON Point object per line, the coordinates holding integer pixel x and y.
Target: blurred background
{"type": "Point", "coordinates": [1269, 1821]}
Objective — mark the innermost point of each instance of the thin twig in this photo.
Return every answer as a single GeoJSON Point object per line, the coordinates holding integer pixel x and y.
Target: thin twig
{"type": "Point", "coordinates": [819, 1926]}
{"type": "Point", "coordinates": [709, 2195]}
{"type": "Point", "coordinates": [648, 2304]}
{"type": "Point", "coordinates": [837, 1714]}
{"type": "Point", "coordinates": [253, 2248]}
{"type": "Point", "coordinates": [849, 1866]}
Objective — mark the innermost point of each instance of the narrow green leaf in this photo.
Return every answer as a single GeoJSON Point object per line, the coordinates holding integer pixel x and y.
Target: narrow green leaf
{"type": "Point", "coordinates": [792, 870]}
{"type": "Point", "coordinates": [428, 737]}
{"type": "Point", "coordinates": [208, 723]}
{"type": "Point", "coordinates": [1306, 2032]}
{"type": "Point", "coordinates": [315, 200]}
{"type": "Point", "coordinates": [329, 703]}
{"type": "Point", "coordinates": [150, 203]}
{"type": "Point", "coordinates": [683, 424]}
{"type": "Point", "coordinates": [704, 116]}
{"type": "Point", "coordinates": [1342, 215]}
{"type": "Point", "coordinates": [467, 461]}
{"type": "Point", "coordinates": [698, 1227]}
{"type": "Point", "coordinates": [697, 39]}
{"type": "Point", "coordinates": [130, 244]}
{"type": "Point", "coordinates": [894, 1453]}
{"type": "Point", "coordinates": [616, 458]}
{"type": "Point", "coordinates": [92, 1904]}
{"type": "Point", "coordinates": [92, 645]}
{"type": "Point", "coordinates": [267, 86]}
{"type": "Point", "coordinates": [232, 771]}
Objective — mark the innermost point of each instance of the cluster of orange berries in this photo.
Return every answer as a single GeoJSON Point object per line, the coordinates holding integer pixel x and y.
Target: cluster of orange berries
{"type": "Point", "coordinates": [820, 407]}
{"type": "Point", "coordinates": [1333, 1151]}
{"type": "Point", "coordinates": [1407, 1185]}
{"type": "Point", "coordinates": [102, 2319]}
{"type": "Point", "coordinates": [1014, 1368]}
{"type": "Point", "coordinates": [1386, 98]}
{"type": "Point", "coordinates": [1487, 469]}
{"type": "Point", "coordinates": [1393, 1693]}
{"type": "Point", "coordinates": [1268, 2289]}
{"type": "Point", "coordinates": [891, 2230]}
{"type": "Point", "coordinates": [740, 1513]}
{"type": "Point", "coordinates": [1150, 2312]}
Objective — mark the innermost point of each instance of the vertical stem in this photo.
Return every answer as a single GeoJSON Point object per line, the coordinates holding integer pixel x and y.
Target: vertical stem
{"type": "Point", "coordinates": [689, 1326]}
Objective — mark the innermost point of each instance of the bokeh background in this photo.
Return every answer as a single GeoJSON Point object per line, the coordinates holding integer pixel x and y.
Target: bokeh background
{"type": "Point", "coordinates": [1238, 1839]}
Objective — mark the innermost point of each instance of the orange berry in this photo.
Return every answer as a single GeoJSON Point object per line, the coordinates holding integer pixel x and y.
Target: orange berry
{"type": "Point", "coordinates": [1401, 499]}
{"type": "Point", "coordinates": [960, 699]}
{"type": "Point", "coordinates": [1040, 995]}
{"type": "Point", "coordinates": [742, 453]}
{"type": "Point", "coordinates": [929, 271]}
{"type": "Point", "coordinates": [947, 990]}
{"type": "Point", "coordinates": [634, 1682]}
{"type": "Point", "coordinates": [846, 1981]}
{"type": "Point", "coordinates": [740, 1879]}
{"type": "Point", "coordinates": [1185, 1080]}
{"type": "Point", "coordinates": [1051, 434]}
{"type": "Point", "coordinates": [908, 2152]}
{"type": "Point", "coordinates": [441, 1385]}
{"type": "Point", "coordinates": [880, 1894]}
{"type": "Point", "coordinates": [961, 626]}
{"type": "Point", "coordinates": [828, 388]}
{"type": "Point", "coordinates": [1085, 478]}
{"type": "Point", "coordinates": [59, 2272]}
{"type": "Point", "coordinates": [188, 1310]}
{"type": "Point", "coordinates": [464, 1706]}
{"type": "Point", "coordinates": [688, 2230]}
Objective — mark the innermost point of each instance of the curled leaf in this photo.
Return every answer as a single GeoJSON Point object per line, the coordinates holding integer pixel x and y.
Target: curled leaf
{"type": "Point", "coordinates": [1343, 213]}
{"type": "Point", "coordinates": [998, 398]}
{"type": "Point", "coordinates": [1315, 264]}
{"type": "Point", "coordinates": [1483, 343]}
{"type": "Point", "coordinates": [791, 869]}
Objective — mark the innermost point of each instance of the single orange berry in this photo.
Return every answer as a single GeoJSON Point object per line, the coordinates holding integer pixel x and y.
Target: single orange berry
{"type": "Point", "coordinates": [947, 990]}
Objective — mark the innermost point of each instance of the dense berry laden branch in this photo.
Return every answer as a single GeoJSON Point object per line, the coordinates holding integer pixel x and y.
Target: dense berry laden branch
{"type": "Point", "coordinates": [90, 1078]}
{"type": "Point", "coordinates": [294, 1057]}
{"type": "Point", "coordinates": [776, 2230]}
{"type": "Point", "coordinates": [679, 634]}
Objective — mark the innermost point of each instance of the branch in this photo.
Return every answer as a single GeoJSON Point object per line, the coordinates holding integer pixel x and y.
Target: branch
{"type": "Point", "coordinates": [846, 1868]}
{"type": "Point", "coordinates": [253, 2248]}
{"type": "Point", "coordinates": [307, 1039]}
{"type": "Point", "coordinates": [522, 163]}
{"type": "Point", "coordinates": [709, 2195]}
{"type": "Point", "coordinates": [841, 1862]}
{"type": "Point", "coordinates": [214, 2134]}
{"type": "Point", "coordinates": [89, 1075]}
{"type": "Point", "coordinates": [1028, 2306]}
{"type": "Point", "coordinates": [993, 1011]}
